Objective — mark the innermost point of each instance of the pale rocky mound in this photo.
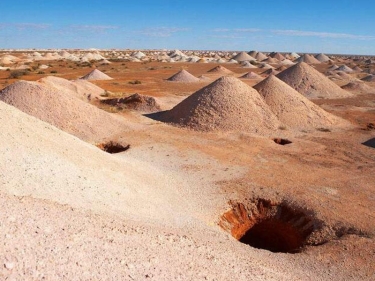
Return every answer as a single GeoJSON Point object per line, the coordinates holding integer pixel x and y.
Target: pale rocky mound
{"type": "Point", "coordinates": [251, 75]}
{"type": "Point", "coordinates": [292, 108]}
{"type": "Point", "coordinates": [8, 59]}
{"type": "Point", "coordinates": [253, 53]}
{"type": "Point", "coordinates": [308, 59]}
{"type": "Point", "coordinates": [270, 71]}
{"type": "Point", "coordinates": [294, 55]}
{"type": "Point", "coordinates": [243, 56]}
{"type": "Point", "coordinates": [265, 65]}
{"type": "Point", "coordinates": [369, 78]}
{"type": "Point", "coordinates": [220, 70]}
{"type": "Point", "coordinates": [62, 110]}
{"type": "Point", "coordinates": [271, 60]}
{"type": "Point", "coordinates": [345, 68]}
{"type": "Point", "coordinates": [287, 62]}
{"type": "Point", "coordinates": [79, 88]}
{"type": "Point", "coordinates": [226, 104]}
{"type": "Point", "coordinates": [322, 57]}
{"type": "Point", "coordinates": [357, 69]}
{"type": "Point", "coordinates": [96, 75]}
{"type": "Point", "coordinates": [260, 56]}
{"type": "Point", "coordinates": [277, 56]}
{"type": "Point", "coordinates": [136, 102]}
{"type": "Point", "coordinates": [333, 67]}
{"type": "Point", "coordinates": [183, 76]}
{"type": "Point", "coordinates": [247, 64]}
{"type": "Point", "coordinates": [359, 87]}
{"type": "Point", "coordinates": [311, 83]}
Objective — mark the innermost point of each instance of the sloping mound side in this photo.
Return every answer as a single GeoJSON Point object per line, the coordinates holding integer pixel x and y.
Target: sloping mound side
{"type": "Point", "coordinates": [359, 87]}
{"type": "Point", "coordinates": [81, 89]}
{"type": "Point", "coordinates": [226, 104]}
{"type": "Point", "coordinates": [292, 108]}
{"type": "Point", "coordinates": [251, 75]}
{"type": "Point", "coordinates": [369, 78]}
{"type": "Point", "coordinates": [45, 162]}
{"type": "Point", "coordinates": [311, 83]}
{"type": "Point", "coordinates": [183, 76]}
{"type": "Point", "coordinates": [96, 75]}
{"type": "Point", "coordinates": [220, 70]}
{"type": "Point", "coordinates": [64, 111]}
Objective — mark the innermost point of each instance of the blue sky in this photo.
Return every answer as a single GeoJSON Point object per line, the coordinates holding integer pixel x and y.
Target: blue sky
{"type": "Point", "coordinates": [302, 26]}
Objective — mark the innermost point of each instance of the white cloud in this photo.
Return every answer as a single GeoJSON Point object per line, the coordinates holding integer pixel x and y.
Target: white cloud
{"type": "Point", "coordinates": [302, 33]}
{"type": "Point", "coordinates": [221, 30]}
{"type": "Point", "coordinates": [25, 26]}
{"type": "Point", "coordinates": [93, 28]}
{"type": "Point", "coordinates": [228, 36]}
{"type": "Point", "coordinates": [247, 30]}
{"type": "Point", "coordinates": [161, 31]}
{"type": "Point", "coordinates": [236, 30]}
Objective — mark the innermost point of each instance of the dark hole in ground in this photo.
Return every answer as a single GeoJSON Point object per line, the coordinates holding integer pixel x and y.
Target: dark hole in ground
{"type": "Point", "coordinates": [275, 236]}
{"type": "Point", "coordinates": [370, 143]}
{"type": "Point", "coordinates": [269, 226]}
{"type": "Point", "coordinates": [113, 147]}
{"type": "Point", "coordinates": [281, 141]}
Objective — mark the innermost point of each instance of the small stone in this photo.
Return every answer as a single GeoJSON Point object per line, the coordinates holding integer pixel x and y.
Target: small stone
{"type": "Point", "coordinates": [9, 265]}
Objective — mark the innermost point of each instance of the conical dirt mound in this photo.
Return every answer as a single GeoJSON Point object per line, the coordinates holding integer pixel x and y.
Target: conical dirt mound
{"type": "Point", "coordinates": [292, 108]}
{"type": "Point", "coordinates": [96, 75]}
{"type": "Point", "coordinates": [243, 57]}
{"type": "Point", "coordinates": [220, 70]}
{"type": "Point", "coordinates": [277, 56]}
{"type": "Point", "coordinates": [251, 75]}
{"type": "Point", "coordinates": [308, 59]}
{"type": "Point", "coordinates": [183, 76]}
{"type": "Point", "coordinates": [270, 71]}
{"type": "Point", "coordinates": [79, 88]}
{"type": "Point", "coordinates": [345, 68]}
{"type": "Point", "coordinates": [247, 64]}
{"type": "Point", "coordinates": [65, 112]}
{"type": "Point", "coordinates": [311, 83]}
{"type": "Point", "coordinates": [359, 87]}
{"type": "Point", "coordinates": [260, 56]}
{"type": "Point", "coordinates": [226, 104]}
{"type": "Point", "coordinates": [322, 57]}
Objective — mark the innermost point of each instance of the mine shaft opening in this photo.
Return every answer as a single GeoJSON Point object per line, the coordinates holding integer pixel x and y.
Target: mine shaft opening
{"type": "Point", "coordinates": [272, 226]}
{"type": "Point", "coordinates": [113, 147]}
{"type": "Point", "coordinates": [275, 236]}
{"type": "Point", "coordinates": [281, 141]}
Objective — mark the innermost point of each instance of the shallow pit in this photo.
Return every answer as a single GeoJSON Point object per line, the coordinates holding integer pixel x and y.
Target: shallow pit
{"type": "Point", "coordinates": [281, 141]}
{"type": "Point", "coordinates": [113, 147]}
{"type": "Point", "coordinates": [278, 228]}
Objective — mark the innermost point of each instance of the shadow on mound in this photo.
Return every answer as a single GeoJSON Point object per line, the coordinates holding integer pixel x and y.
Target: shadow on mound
{"type": "Point", "coordinates": [278, 228]}
{"type": "Point", "coordinates": [370, 143]}
{"type": "Point", "coordinates": [281, 141]}
{"type": "Point", "coordinates": [156, 115]}
{"type": "Point", "coordinates": [112, 147]}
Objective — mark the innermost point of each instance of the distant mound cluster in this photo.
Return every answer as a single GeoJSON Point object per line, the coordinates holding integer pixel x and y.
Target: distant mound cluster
{"type": "Point", "coordinates": [228, 104]}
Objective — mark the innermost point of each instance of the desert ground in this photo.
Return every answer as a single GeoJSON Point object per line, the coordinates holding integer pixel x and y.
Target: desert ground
{"type": "Point", "coordinates": [136, 173]}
